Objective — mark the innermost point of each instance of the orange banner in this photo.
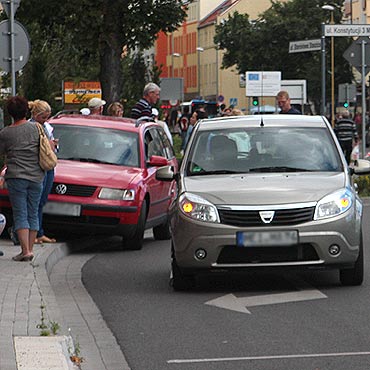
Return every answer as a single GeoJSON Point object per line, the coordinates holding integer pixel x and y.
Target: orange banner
{"type": "Point", "coordinates": [81, 92]}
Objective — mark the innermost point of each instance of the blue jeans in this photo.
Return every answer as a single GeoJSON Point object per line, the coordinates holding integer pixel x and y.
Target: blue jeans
{"type": "Point", "coordinates": [24, 196]}
{"type": "Point", "coordinates": [46, 189]}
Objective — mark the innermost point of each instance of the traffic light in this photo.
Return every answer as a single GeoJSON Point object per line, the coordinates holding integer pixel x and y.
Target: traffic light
{"type": "Point", "coordinates": [346, 104]}
{"type": "Point", "coordinates": [255, 101]}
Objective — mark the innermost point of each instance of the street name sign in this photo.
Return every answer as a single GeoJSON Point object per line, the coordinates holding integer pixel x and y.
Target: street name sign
{"type": "Point", "coordinates": [262, 83]}
{"type": "Point", "coordinates": [304, 45]}
{"type": "Point", "coordinates": [348, 30]}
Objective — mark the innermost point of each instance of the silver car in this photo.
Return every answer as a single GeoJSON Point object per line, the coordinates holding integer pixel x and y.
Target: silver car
{"type": "Point", "coordinates": [265, 191]}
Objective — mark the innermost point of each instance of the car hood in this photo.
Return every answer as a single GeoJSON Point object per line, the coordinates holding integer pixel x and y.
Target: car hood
{"type": "Point", "coordinates": [264, 189]}
{"type": "Point", "coordinates": [95, 174]}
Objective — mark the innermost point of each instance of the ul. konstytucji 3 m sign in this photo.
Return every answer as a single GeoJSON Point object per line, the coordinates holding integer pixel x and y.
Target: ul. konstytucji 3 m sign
{"type": "Point", "coordinates": [81, 92]}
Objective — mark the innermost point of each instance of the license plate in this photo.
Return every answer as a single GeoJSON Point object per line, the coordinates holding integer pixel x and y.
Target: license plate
{"type": "Point", "coordinates": [267, 238]}
{"type": "Point", "coordinates": [62, 209]}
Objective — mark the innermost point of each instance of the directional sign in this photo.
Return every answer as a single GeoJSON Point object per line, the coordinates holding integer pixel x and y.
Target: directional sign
{"type": "Point", "coordinates": [305, 45]}
{"type": "Point", "coordinates": [353, 54]}
{"type": "Point", "coordinates": [347, 30]}
{"type": "Point", "coordinates": [241, 304]}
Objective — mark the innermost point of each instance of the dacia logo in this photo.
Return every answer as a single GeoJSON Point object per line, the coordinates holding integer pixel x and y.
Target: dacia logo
{"type": "Point", "coordinates": [267, 216]}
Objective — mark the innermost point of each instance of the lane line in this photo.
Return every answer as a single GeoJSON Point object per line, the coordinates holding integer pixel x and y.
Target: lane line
{"type": "Point", "coordinates": [279, 357]}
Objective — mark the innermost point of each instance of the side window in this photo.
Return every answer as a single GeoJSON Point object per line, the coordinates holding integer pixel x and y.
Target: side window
{"type": "Point", "coordinates": [153, 143]}
{"type": "Point", "coordinates": [167, 145]}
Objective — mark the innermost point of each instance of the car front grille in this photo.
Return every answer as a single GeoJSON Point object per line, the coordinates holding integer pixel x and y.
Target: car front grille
{"type": "Point", "coordinates": [73, 190]}
{"type": "Point", "coordinates": [282, 217]}
{"type": "Point", "coordinates": [256, 255]}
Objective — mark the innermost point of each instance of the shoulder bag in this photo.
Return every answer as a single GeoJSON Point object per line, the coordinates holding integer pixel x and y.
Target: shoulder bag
{"type": "Point", "coordinates": [47, 157]}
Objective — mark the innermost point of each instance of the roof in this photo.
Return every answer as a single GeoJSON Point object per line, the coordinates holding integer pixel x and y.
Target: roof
{"type": "Point", "coordinates": [212, 17]}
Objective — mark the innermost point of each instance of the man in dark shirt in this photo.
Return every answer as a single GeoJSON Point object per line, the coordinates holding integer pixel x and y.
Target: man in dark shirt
{"type": "Point", "coordinates": [283, 102]}
{"type": "Point", "coordinates": [143, 108]}
{"type": "Point", "coordinates": [346, 132]}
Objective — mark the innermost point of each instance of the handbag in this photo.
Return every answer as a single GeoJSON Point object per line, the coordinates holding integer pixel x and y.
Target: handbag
{"type": "Point", "coordinates": [47, 158]}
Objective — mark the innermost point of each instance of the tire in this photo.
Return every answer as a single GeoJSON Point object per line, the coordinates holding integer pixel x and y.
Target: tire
{"type": "Point", "coordinates": [179, 280]}
{"type": "Point", "coordinates": [136, 241]}
{"type": "Point", "coordinates": [162, 232]}
{"type": "Point", "coordinates": [355, 275]}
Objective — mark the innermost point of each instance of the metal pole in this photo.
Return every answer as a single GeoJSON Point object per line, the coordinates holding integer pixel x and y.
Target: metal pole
{"type": "Point", "coordinates": [12, 47]}
{"type": "Point", "coordinates": [363, 93]}
{"type": "Point", "coordinates": [323, 71]}
{"type": "Point", "coordinates": [199, 96]}
{"type": "Point", "coordinates": [332, 75]}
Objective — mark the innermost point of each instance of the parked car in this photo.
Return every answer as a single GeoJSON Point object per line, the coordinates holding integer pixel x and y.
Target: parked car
{"type": "Point", "coordinates": [105, 178]}
{"type": "Point", "coordinates": [265, 192]}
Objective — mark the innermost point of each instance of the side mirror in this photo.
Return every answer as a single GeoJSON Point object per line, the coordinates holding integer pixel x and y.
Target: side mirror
{"type": "Point", "coordinates": [361, 167]}
{"type": "Point", "coordinates": [157, 161]}
{"type": "Point", "coordinates": [165, 174]}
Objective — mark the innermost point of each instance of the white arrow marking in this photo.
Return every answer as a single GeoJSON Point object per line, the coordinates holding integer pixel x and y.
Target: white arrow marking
{"type": "Point", "coordinates": [231, 302]}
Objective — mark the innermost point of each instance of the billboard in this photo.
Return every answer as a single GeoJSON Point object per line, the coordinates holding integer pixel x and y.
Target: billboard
{"type": "Point", "coordinates": [81, 92]}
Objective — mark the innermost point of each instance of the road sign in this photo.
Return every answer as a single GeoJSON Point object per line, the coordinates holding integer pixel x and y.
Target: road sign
{"type": "Point", "coordinates": [304, 45]}
{"type": "Point", "coordinates": [263, 83]}
{"type": "Point", "coordinates": [346, 93]}
{"type": "Point", "coordinates": [353, 54]}
{"type": "Point", "coordinates": [233, 101]}
{"type": "Point", "coordinates": [21, 45]}
{"type": "Point", "coordinates": [6, 6]}
{"type": "Point", "coordinates": [172, 88]}
{"type": "Point", "coordinates": [347, 30]}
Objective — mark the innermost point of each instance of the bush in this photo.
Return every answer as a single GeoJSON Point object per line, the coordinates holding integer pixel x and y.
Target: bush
{"type": "Point", "coordinates": [363, 185]}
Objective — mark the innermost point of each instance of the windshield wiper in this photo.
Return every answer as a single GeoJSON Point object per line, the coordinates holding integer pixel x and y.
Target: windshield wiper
{"type": "Point", "coordinates": [279, 169]}
{"type": "Point", "coordinates": [214, 172]}
{"type": "Point", "coordinates": [90, 160]}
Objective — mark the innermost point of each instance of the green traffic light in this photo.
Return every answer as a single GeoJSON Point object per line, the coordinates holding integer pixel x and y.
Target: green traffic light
{"type": "Point", "coordinates": [255, 102]}
{"type": "Point", "coordinates": [346, 105]}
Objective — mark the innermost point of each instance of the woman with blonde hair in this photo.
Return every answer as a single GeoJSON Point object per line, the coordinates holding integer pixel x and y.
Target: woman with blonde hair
{"type": "Point", "coordinates": [40, 112]}
{"type": "Point", "coordinates": [115, 109]}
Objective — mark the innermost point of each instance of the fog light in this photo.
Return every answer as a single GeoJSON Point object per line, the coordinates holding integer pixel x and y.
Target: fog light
{"type": "Point", "coordinates": [334, 250]}
{"type": "Point", "coordinates": [200, 254]}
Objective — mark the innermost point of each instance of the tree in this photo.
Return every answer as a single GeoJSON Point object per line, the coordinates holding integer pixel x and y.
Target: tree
{"type": "Point", "coordinates": [263, 44]}
{"type": "Point", "coordinates": [95, 33]}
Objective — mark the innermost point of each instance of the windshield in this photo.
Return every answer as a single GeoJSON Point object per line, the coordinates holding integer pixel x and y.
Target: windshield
{"type": "Point", "coordinates": [263, 149]}
{"type": "Point", "coordinates": [97, 145]}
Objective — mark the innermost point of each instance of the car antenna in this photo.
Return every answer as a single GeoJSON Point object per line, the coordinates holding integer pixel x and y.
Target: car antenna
{"type": "Point", "coordinates": [262, 124]}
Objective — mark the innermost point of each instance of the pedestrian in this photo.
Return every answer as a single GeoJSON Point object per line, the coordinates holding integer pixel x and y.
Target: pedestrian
{"type": "Point", "coordinates": [24, 176]}
{"type": "Point", "coordinates": [346, 132]}
{"type": "Point", "coordinates": [155, 115]}
{"type": "Point", "coordinates": [96, 106]}
{"type": "Point", "coordinates": [143, 108]}
{"type": "Point", "coordinates": [115, 109]}
{"type": "Point", "coordinates": [2, 220]}
{"type": "Point", "coordinates": [40, 112]}
{"type": "Point", "coordinates": [184, 124]}
{"type": "Point", "coordinates": [283, 102]}
{"type": "Point", "coordinates": [192, 122]}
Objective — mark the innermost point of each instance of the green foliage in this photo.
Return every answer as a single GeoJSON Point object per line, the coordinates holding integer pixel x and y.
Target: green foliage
{"type": "Point", "coordinates": [363, 185]}
{"type": "Point", "coordinates": [177, 146]}
{"type": "Point", "coordinates": [264, 43]}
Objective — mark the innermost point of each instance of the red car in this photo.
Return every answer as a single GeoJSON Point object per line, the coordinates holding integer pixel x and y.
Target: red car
{"type": "Point", "coordinates": [105, 180]}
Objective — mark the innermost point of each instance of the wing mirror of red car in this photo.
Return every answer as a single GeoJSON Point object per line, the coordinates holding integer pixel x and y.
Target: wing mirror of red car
{"type": "Point", "coordinates": [157, 161]}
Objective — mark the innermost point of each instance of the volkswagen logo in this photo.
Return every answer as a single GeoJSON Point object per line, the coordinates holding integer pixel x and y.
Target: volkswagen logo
{"type": "Point", "coordinates": [267, 216]}
{"type": "Point", "coordinates": [61, 189]}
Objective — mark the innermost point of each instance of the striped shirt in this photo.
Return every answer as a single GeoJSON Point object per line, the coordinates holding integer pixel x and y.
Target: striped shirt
{"type": "Point", "coordinates": [346, 130]}
{"type": "Point", "coordinates": [141, 109]}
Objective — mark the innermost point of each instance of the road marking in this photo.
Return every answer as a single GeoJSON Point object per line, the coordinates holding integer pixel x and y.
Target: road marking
{"type": "Point", "coordinates": [278, 357]}
{"type": "Point", "coordinates": [240, 304]}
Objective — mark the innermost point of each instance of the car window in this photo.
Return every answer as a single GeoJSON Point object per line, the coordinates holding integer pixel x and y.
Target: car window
{"type": "Point", "coordinates": [96, 144]}
{"type": "Point", "coordinates": [167, 145]}
{"type": "Point", "coordinates": [263, 149]}
{"type": "Point", "coordinates": [154, 144]}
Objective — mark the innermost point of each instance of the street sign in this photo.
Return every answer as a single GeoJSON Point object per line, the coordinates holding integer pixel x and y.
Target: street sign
{"type": "Point", "coordinates": [354, 57]}
{"type": "Point", "coordinates": [346, 93]}
{"type": "Point", "coordinates": [21, 46]}
{"type": "Point", "coordinates": [347, 30]}
{"type": "Point", "coordinates": [172, 88]}
{"type": "Point", "coordinates": [263, 83]}
{"type": "Point", "coordinates": [6, 6]}
{"type": "Point", "coordinates": [304, 45]}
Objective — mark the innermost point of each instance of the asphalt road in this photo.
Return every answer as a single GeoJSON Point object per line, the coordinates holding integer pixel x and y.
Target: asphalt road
{"type": "Point", "coordinates": [292, 322]}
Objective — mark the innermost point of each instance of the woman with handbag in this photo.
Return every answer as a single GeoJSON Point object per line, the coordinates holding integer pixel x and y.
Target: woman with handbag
{"type": "Point", "coordinates": [24, 176]}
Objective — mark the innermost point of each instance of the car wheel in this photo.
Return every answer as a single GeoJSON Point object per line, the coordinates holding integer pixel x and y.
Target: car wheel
{"type": "Point", "coordinates": [354, 276]}
{"type": "Point", "coordinates": [162, 232]}
{"type": "Point", "coordinates": [179, 280]}
{"type": "Point", "coordinates": [136, 241]}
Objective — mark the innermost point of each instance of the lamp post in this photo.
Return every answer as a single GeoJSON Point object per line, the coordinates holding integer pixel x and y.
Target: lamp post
{"type": "Point", "coordinates": [173, 55]}
{"type": "Point", "coordinates": [199, 50]}
{"type": "Point", "coordinates": [331, 9]}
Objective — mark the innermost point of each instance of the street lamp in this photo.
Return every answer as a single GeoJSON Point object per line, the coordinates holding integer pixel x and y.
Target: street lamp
{"type": "Point", "coordinates": [331, 9]}
{"type": "Point", "coordinates": [199, 50]}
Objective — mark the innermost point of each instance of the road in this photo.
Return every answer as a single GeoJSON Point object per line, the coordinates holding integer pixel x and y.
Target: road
{"type": "Point", "coordinates": [258, 322]}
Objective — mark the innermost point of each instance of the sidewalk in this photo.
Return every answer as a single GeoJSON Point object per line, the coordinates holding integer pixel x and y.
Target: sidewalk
{"type": "Point", "coordinates": [46, 296]}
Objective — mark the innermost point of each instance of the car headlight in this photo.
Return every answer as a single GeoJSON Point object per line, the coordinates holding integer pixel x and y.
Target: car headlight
{"type": "Point", "coordinates": [116, 194]}
{"type": "Point", "coordinates": [197, 208]}
{"type": "Point", "coordinates": [334, 204]}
